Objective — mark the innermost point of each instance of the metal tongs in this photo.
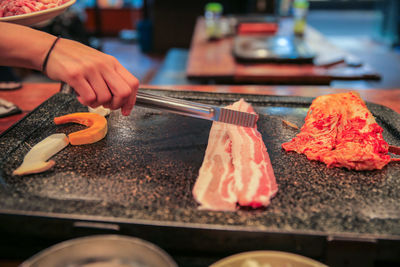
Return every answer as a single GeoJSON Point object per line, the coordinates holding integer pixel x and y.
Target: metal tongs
{"type": "Point", "coordinates": [188, 108]}
{"type": "Point", "coordinates": [197, 110]}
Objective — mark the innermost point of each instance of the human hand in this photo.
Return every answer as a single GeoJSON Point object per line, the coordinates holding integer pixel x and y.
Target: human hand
{"type": "Point", "coordinates": [97, 78]}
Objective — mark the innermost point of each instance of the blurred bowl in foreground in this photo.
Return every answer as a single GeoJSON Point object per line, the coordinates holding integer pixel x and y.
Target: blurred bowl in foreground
{"type": "Point", "coordinates": [102, 251]}
{"type": "Point", "coordinates": [265, 258]}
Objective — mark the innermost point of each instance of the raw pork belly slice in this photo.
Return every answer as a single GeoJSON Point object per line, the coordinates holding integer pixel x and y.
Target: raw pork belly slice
{"type": "Point", "coordinates": [236, 168]}
{"type": "Point", "coordinates": [340, 131]}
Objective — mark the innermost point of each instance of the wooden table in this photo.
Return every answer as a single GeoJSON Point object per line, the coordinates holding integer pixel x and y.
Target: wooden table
{"type": "Point", "coordinates": [32, 95]}
{"type": "Point", "coordinates": [213, 61]}
{"type": "Point", "coordinates": [27, 99]}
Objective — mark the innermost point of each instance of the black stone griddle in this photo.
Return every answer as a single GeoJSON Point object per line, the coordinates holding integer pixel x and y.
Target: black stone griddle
{"type": "Point", "coordinates": [138, 181]}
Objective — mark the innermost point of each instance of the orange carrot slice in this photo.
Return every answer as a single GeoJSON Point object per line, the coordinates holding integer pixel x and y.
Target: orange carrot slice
{"type": "Point", "coordinates": [97, 127]}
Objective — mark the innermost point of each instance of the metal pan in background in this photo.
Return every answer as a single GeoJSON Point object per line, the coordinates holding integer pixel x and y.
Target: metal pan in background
{"type": "Point", "coordinates": [275, 48]}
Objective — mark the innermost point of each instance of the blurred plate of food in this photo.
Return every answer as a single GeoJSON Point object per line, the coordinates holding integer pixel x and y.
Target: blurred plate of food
{"type": "Point", "coordinates": [265, 258]}
{"type": "Point", "coordinates": [32, 12]}
{"type": "Point", "coordinates": [102, 251]}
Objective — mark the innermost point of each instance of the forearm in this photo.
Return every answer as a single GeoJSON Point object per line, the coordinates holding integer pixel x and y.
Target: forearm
{"type": "Point", "coordinates": [97, 78]}
{"type": "Point", "coordinates": [22, 46]}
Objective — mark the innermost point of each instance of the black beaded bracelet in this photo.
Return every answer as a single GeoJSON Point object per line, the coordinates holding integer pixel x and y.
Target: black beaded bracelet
{"type": "Point", "coordinates": [48, 54]}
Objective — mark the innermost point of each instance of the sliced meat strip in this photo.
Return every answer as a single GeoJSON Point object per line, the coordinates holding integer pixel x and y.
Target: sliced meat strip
{"type": "Point", "coordinates": [253, 174]}
{"type": "Point", "coordinates": [214, 188]}
{"type": "Point", "coordinates": [236, 168]}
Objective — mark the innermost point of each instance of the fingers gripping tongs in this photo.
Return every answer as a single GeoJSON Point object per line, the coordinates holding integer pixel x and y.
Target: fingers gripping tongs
{"type": "Point", "coordinates": [188, 108]}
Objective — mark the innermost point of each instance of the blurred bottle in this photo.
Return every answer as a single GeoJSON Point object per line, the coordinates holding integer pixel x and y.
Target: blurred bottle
{"type": "Point", "coordinates": [300, 10]}
{"type": "Point", "coordinates": [212, 15]}
{"type": "Point", "coordinates": [284, 7]}
{"type": "Point", "coordinates": [144, 29]}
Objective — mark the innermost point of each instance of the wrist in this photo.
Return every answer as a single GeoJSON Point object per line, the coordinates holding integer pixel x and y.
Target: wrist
{"type": "Point", "coordinates": [48, 54]}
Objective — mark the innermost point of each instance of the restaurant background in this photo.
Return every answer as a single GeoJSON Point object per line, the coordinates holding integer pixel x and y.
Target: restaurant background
{"type": "Point", "coordinates": [152, 38]}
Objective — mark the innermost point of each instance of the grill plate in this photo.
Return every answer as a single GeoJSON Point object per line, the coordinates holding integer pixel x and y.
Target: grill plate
{"type": "Point", "coordinates": [140, 177]}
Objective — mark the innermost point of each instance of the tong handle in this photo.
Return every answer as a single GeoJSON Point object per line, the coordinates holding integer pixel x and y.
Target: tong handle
{"type": "Point", "coordinates": [170, 104]}
{"type": "Point", "coordinates": [174, 105]}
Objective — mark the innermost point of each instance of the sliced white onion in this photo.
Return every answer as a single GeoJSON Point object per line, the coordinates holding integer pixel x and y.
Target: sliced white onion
{"type": "Point", "coordinates": [35, 160]}
{"type": "Point", "coordinates": [100, 110]}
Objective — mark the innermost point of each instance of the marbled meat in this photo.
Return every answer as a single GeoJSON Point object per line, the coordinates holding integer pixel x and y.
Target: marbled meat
{"type": "Point", "coordinates": [236, 169]}
{"type": "Point", "coordinates": [340, 131]}
{"type": "Point", "coordinates": [20, 7]}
